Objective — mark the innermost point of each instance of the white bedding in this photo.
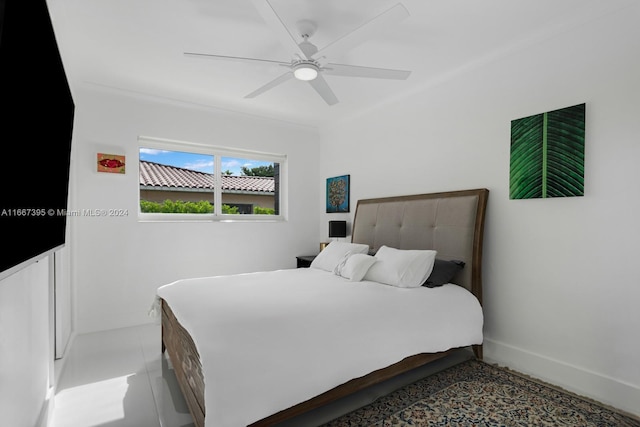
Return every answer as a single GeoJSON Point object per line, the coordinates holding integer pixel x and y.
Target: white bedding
{"type": "Point", "coordinates": [271, 340]}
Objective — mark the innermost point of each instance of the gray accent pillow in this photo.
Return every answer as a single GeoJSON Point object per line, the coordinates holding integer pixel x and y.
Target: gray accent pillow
{"type": "Point", "coordinates": [443, 271]}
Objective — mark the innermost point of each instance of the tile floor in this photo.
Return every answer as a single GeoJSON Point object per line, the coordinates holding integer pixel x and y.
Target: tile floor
{"type": "Point", "coordinates": [119, 378]}
{"type": "Point", "coordinates": [115, 379]}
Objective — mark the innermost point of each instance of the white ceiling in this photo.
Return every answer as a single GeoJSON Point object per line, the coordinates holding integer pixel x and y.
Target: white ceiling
{"type": "Point", "coordinates": [137, 46]}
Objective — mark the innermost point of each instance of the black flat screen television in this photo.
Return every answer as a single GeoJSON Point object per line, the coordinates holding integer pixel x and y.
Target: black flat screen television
{"type": "Point", "coordinates": [36, 125]}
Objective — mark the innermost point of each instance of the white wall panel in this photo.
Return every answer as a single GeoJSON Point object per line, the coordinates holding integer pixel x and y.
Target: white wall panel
{"type": "Point", "coordinates": [26, 355]}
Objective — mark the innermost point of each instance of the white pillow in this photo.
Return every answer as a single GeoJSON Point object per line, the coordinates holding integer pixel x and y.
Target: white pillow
{"type": "Point", "coordinates": [404, 268]}
{"type": "Point", "coordinates": [354, 266]}
{"type": "Point", "coordinates": [332, 254]}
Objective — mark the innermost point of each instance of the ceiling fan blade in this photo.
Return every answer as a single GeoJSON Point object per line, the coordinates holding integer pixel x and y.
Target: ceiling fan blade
{"type": "Point", "coordinates": [357, 71]}
{"type": "Point", "coordinates": [365, 32]}
{"type": "Point", "coordinates": [273, 20]}
{"type": "Point", "coordinates": [273, 83]}
{"type": "Point", "coordinates": [234, 58]}
{"type": "Point", "coordinates": [323, 89]}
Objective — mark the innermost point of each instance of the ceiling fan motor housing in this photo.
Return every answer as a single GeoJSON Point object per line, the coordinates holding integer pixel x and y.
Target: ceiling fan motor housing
{"type": "Point", "coordinates": [307, 47]}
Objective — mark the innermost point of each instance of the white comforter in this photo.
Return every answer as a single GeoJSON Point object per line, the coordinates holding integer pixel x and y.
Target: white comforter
{"type": "Point", "coordinates": [270, 340]}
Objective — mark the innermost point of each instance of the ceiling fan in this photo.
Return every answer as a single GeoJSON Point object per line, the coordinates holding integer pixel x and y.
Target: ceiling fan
{"type": "Point", "coordinates": [308, 63]}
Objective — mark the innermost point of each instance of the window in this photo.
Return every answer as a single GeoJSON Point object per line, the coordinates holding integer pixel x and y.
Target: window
{"type": "Point", "coordinates": [182, 181]}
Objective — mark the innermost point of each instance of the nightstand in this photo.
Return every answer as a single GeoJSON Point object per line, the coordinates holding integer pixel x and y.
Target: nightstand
{"type": "Point", "coordinates": [304, 261]}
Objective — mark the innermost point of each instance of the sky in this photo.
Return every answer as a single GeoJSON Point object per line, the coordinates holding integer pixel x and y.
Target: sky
{"type": "Point", "coordinates": [197, 162]}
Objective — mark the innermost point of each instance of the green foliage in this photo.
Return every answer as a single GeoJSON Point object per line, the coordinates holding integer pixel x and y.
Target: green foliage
{"type": "Point", "coordinates": [179, 206]}
{"type": "Point", "coordinates": [176, 206]}
{"type": "Point", "coordinates": [259, 171]}
{"type": "Point", "coordinates": [263, 211]}
{"type": "Point", "coordinates": [226, 209]}
{"type": "Point", "coordinates": [547, 154]}
{"type": "Point", "coordinates": [201, 207]}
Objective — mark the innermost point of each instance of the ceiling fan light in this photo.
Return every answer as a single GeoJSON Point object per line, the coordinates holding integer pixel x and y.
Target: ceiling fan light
{"type": "Point", "coordinates": [305, 72]}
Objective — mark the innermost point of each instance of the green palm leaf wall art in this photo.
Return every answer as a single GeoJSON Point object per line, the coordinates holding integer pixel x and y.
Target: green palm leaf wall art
{"type": "Point", "coordinates": [547, 154]}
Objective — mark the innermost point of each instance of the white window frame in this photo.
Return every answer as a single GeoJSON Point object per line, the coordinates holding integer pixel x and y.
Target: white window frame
{"type": "Point", "coordinates": [217, 152]}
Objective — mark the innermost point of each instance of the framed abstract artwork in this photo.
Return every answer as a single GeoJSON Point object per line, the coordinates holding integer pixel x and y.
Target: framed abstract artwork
{"type": "Point", "coordinates": [338, 194]}
{"type": "Point", "coordinates": [111, 163]}
{"type": "Point", "coordinates": [547, 154]}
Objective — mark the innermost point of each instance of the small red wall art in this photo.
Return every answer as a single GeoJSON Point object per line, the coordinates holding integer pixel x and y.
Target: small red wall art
{"type": "Point", "coordinates": [111, 163]}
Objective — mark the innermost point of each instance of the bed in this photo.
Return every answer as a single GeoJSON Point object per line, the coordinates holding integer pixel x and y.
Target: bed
{"type": "Point", "coordinates": [261, 348]}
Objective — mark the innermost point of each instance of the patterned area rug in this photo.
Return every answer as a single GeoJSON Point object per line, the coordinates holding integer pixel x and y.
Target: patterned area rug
{"type": "Point", "coordinates": [477, 394]}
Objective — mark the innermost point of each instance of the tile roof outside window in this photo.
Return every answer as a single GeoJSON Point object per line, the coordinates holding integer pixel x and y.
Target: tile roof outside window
{"type": "Point", "coordinates": [163, 176]}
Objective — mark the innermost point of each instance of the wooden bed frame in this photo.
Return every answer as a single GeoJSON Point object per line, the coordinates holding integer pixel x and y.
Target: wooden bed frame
{"type": "Point", "coordinates": [450, 222]}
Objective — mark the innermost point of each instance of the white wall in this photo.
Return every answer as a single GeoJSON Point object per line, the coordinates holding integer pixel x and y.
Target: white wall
{"type": "Point", "coordinates": [26, 346]}
{"type": "Point", "coordinates": [119, 263]}
{"type": "Point", "coordinates": [560, 275]}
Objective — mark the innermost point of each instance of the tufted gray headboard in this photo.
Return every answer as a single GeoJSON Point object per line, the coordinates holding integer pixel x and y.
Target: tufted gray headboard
{"type": "Point", "coordinates": [451, 223]}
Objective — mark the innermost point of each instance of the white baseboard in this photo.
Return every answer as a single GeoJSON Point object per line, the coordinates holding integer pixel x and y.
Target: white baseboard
{"type": "Point", "coordinates": [123, 320]}
{"type": "Point", "coordinates": [610, 391]}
